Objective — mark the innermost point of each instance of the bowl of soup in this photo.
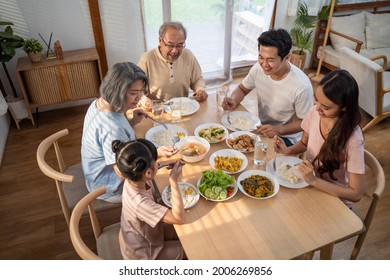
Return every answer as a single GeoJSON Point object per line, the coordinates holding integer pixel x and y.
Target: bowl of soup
{"type": "Point", "coordinates": [193, 148]}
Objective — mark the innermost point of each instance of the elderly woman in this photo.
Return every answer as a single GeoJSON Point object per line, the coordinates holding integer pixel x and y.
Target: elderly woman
{"type": "Point", "coordinates": [106, 121]}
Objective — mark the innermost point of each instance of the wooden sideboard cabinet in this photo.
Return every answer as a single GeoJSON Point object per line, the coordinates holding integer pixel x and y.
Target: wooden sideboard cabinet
{"type": "Point", "coordinates": [52, 81]}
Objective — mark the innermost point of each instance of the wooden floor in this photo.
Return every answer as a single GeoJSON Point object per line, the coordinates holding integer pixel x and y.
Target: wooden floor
{"type": "Point", "coordinates": [31, 222]}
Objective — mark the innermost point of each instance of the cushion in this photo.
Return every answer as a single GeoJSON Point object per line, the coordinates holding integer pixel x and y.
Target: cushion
{"type": "Point", "coordinates": [377, 19]}
{"type": "Point", "coordinates": [378, 36]}
{"type": "Point", "coordinates": [353, 26]}
{"type": "Point", "coordinates": [108, 247]}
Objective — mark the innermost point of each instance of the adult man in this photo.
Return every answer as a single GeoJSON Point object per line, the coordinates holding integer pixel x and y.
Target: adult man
{"type": "Point", "coordinates": [172, 69]}
{"type": "Point", "coordinates": [284, 92]}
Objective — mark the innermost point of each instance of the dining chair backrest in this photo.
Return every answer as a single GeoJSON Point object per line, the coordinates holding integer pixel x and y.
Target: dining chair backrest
{"type": "Point", "coordinates": [373, 82]}
{"type": "Point", "coordinates": [374, 193]}
{"type": "Point", "coordinates": [378, 188]}
{"type": "Point", "coordinates": [107, 239]}
{"type": "Point", "coordinates": [69, 180]}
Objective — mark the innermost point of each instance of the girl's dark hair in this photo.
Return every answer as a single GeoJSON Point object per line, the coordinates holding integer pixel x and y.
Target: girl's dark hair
{"type": "Point", "coordinates": [278, 38]}
{"type": "Point", "coordinates": [134, 157]}
{"type": "Point", "coordinates": [341, 88]}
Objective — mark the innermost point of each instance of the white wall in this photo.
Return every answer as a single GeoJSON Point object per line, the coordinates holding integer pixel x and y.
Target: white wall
{"type": "Point", "coordinates": [69, 20]}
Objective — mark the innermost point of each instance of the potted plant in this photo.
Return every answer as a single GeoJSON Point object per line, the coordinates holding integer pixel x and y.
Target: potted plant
{"type": "Point", "coordinates": [8, 45]}
{"type": "Point", "coordinates": [302, 35]}
{"type": "Point", "coordinates": [33, 48]}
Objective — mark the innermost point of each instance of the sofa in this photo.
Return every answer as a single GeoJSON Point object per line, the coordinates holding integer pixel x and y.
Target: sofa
{"type": "Point", "coordinates": [4, 125]}
{"type": "Point", "coordinates": [372, 30]}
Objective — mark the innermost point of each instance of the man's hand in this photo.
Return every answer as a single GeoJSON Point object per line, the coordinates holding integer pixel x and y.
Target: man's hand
{"type": "Point", "coordinates": [201, 95]}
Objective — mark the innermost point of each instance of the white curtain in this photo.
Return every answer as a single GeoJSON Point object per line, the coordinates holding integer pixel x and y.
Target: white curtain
{"type": "Point", "coordinates": [313, 6]}
{"type": "Point", "coordinates": [123, 31]}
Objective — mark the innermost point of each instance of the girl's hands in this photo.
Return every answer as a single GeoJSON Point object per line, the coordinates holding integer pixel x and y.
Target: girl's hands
{"type": "Point", "coordinates": [306, 170]}
{"type": "Point", "coordinates": [167, 151]}
{"type": "Point", "coordinates": [176, 171]}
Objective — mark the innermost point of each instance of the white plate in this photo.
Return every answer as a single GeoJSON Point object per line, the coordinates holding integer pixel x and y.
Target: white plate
{"type": "Point", "coordinates": [188, 106]}
{"type": "Point", "coordinates": [189, 200]}
{"type": "Point", "coordinates": [248, 173]}
{"type": "Point", "coordinates": [166, 135]}
{"type": "Point", "coordinates": [208, 125]}
{"type": "Point", "coordinates": [229, 153]}
{"type": "Point", "coordinates": [279, 161]}
{"type": "Point", "coordinates": [234, 185]}
{"type": "Point", "coordinates": [250, 120]}
{"type": "Point", "coordinates": [234, 135]}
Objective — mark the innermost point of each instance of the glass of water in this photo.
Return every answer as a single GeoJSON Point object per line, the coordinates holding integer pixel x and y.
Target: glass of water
{"type": "Point", "coordinates": [176, 110]}
{"type": "Point", "coordinates": [260, 153]}
{"type": "Point", "coordinates": [221, 94]}
{"type": "Point", "coordinates": [158, 111]}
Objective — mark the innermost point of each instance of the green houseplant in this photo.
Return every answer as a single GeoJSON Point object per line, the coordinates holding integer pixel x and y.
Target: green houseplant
{"type": "Point", "coordinates": [33, 48]}
{"type": "Point", "coordinates": [8, 45]}
{"type": "Point", "coordinates": [302, 35]}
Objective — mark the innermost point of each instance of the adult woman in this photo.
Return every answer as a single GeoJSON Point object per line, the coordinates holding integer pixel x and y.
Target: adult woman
{"type": "Point", "coordinates": [105, 121]}
{"type": "Point", "coordinates": [146, 226]}
{"type": "Point", "coordinates": [332, 139]}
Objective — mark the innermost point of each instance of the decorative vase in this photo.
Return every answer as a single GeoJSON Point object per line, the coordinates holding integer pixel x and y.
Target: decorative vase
{"type": "Point", "coordinates": [35, 57]}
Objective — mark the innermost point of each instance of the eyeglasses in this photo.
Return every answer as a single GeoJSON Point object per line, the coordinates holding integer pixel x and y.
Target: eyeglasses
{"type": "Point", "coordinates": [171, 47]}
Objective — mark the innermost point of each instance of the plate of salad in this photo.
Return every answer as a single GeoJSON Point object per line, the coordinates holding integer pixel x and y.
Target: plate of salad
{"type": "Point", "coordinates": [216, 185]}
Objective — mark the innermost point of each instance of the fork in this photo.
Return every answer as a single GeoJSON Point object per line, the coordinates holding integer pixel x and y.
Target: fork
{"type": "Point", "coordinates": [274, 162]}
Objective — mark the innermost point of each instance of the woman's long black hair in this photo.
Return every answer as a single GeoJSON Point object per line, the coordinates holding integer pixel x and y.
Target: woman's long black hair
{"type": "Point", "coordinates": [341, 88]}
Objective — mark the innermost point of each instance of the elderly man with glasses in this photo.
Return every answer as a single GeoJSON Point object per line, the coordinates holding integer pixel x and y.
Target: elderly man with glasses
{"type": "Point", "coordinates": [172, 69]}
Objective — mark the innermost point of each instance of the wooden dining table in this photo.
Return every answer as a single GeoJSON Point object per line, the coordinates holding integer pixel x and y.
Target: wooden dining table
{"type": "Point", "coordinates": [291, 223]}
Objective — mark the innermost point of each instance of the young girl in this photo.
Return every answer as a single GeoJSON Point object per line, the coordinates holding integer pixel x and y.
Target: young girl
{"type": "Point", "coordinates": [332, 139]}
{"type": "Point", "coordinates": [146, 226]}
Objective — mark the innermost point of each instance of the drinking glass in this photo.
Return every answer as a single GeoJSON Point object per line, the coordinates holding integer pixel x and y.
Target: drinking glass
{"type": "Point", "coordinates": [158, 111]}
{"type": "Point", "coordinates": [260, 153]}
{"type": "Point", "coordinates": [221, 94]}
{"type": "Point", "coordinates": [176, 110]}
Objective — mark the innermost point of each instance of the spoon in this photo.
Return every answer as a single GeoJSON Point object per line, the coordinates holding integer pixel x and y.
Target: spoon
{"type": "Point", "coordinates": [156, 121]}
{"type": "Point", "coordinates": [175, 139]}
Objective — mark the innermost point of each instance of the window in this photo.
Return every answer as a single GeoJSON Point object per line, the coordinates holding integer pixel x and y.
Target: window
{"type": "Point", "coordinates": [221, 33]}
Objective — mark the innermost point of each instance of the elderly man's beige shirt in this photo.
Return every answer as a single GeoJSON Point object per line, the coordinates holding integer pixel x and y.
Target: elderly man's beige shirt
{"type": "Point", "coordinates": [174, 79]}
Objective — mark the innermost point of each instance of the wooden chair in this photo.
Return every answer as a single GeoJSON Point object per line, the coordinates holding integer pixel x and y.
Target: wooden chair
{"type": "Point", "coordinates": [373, 81]}
{"type": "Point", "coordinates": [107, 239]}
{"type": "Point", "coordinates": [70, 180]}
{"type": "Point", "coordinates": [373, 164]}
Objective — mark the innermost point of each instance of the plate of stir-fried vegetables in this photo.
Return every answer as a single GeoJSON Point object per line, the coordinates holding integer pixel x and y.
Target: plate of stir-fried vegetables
{"type": "Point", "coordinates": [212, 132]}
{"type": "Point", "coordinates": [258, 184]}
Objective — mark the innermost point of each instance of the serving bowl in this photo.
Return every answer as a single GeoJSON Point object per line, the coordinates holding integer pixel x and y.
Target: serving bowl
{"type": "Point", "coordinates": [269, 176]}
{"type": "Point", "coordinates": [193, 148]}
